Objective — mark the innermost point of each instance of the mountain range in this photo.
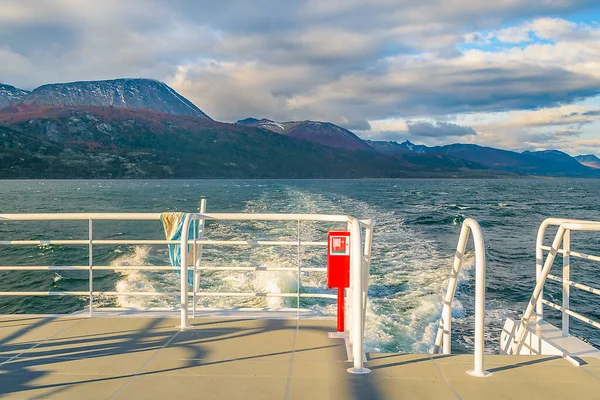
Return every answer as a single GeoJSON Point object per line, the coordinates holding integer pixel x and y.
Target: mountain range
{"type": "Point", "coordinates": [141, 128]}
{"type": "Point", "coordinates": [543, 163]}
{"type": "Point", "coordinates": [324, 133]}
{"type": "Point", "coordinates": [589, 160]}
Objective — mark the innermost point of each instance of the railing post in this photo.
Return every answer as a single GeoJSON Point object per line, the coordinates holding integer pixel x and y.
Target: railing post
{"type": "Point", "coordinates": [348, 316]}
{"type": "Point", "coordinates": [539, 262]}
{"type": "Point", "coordinates": [478, 366]}
{"type": "Point", "coordinates": [357, 328]}
{"type": "Point", "coordinates": [366, 267]}
{"type": "Point", "coordinates": [91, 263]}
{"type": "Point", "coordinates": [298, 277]}
{"type": "Point", "coordinates": [194, 261]}
{"type": "Point", "coordinates": [566, 276]}
{"type": "Point", "coordinates": [198, 254]}
{"type": "Point", "coordinates": [447, 326]}
{"type": "Point", "coordinates": [184, 271]}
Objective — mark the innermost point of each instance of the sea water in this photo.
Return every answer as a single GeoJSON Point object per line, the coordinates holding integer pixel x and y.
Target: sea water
{"type": "Point", "coordinates": [415, 236]}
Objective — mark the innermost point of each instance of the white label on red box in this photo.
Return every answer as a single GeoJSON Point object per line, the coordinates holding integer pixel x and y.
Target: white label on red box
{"type": "Point", "coordinates": [339, 246]}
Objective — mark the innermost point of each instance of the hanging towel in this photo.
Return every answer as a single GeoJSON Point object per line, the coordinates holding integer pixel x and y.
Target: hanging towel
{"type": "Point", "coordinates": [173, 224]}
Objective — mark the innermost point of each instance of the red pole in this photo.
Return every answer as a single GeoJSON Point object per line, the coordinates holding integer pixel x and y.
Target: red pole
{"type": "Point", "coordinates": [340, 310]}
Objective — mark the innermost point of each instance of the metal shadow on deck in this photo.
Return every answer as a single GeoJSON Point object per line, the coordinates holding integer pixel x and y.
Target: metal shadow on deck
{"type": "Point", "coordinates": [229, 358]}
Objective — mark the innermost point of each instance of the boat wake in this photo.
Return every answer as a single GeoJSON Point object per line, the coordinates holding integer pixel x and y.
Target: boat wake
{"type": "Point", "coordinates": [407, 282]}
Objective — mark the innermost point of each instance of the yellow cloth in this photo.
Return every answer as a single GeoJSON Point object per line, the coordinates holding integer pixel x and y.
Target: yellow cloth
{"type": "Point", "coordinates": [171, 221]}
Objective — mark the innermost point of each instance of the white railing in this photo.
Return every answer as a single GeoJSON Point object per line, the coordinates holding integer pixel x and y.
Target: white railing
{"type": "Point", "coordinates": [543, 267]}
{"type": "Point", "coordinates": [443, 338]}
{"type": "Point", "coordinates": [359, 265]}
{"type": "Point", "coordinates": [360, 255]}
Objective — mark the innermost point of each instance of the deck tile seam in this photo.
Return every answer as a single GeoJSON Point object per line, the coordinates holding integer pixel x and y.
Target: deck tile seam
{"type": "Point", "coordinates": [390, 378]}
{"type": "Point", "coordinates": [134, 375]}
{"type": "Point", "coordinates": [249, 358]}
{"type": "Point", "coordinates": [445, 378]}
{"type": "Point", "coordinates": [24, 356]}
{"type": "Point", "coordinates": [228, 375]}
{"type": "Point", "coordinates": [288, 383]}
{"type": "Point", "coordinates": [48, 373]}
{"type": "Point", "coordinates": [590, 373]}
{"type": "Point", "coordinates": [41, 343]}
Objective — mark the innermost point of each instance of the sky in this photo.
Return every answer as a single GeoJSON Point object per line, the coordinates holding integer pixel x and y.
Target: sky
{"type": "Point", "coordinates": [513, 74]}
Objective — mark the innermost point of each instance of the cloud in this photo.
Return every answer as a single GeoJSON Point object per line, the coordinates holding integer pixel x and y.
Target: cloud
{"type": "Point", "coordinates": [572, 115]}
{"type": "Point", "coordinates": [591, 113]}
{"type": "Point", "coordinates": [514, 34]}
{"type": "Point", "coordinates": [547, 28]}
{"type": "Point", "coordinates": [478, 38]}
{"type": "Point", "coordinates": [566, 45]}
{"type": "Point", "coordinates": [560, 127]}
{"type": "Point", "coordinates": [390, 129]}
{"type": "Point", "coordinates": [424, 87]}
{"type": "Point", "coordinates": [438, 129]}
{"type": "Point", "coordinates": [356, 125]}
{"type": "Point", "coordinates": [408, 85]}
{"type": "Point", "coordinates": [15, 64]}
{"type": "Point", "coordinates": [595, 143]}
{"type": "Point", "coordinates": [552, 28]}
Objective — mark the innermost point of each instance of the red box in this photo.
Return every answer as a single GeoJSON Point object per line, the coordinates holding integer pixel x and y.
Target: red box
{"type": "Point", "coordinates": [338, 259]}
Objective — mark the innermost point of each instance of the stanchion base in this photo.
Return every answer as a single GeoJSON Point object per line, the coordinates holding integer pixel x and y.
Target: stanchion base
{"type": "Point", "coordinates": [182, 327]}
{"type": "Point", "coordinates": [486, 374]}
{"type": "Point", "coordinates": [337, 335]}
{"type": "Point", "coordinates": [359, 371]}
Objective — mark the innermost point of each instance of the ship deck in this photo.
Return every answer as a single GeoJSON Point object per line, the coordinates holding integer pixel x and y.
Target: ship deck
{"type": "Point", "coordinates": [220, 357]}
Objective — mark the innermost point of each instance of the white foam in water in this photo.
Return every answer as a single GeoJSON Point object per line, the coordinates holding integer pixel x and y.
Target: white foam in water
{"type": "Point", "coordinates": [262, 282]}
{"type": "Point", "coordinates": [290, 201]}
{"type": "Point", "coordinates": [273, 282]}
{"type": "Point", "coordinates": [132, 281]}
{"type": "Point", "coordinates": [401, 320]}
{"type": "Point", "coordinates": [378, 336]}
{"type": "Point", "coordinates": [141, 281]}
{"type": "Point", "coordinates": [408, 280]}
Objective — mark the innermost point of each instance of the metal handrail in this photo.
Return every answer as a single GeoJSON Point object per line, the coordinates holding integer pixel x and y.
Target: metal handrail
{"type": "Point", "coordinates": [358, 288]}
{"type": "Point", "coordinates": [148, 268]}
{"type": "Point", "coordinates": [539, 254]}
{"type": "Point", "coordinates": [444, 332]}
{"type": "Point", "coordinates": [359, 261]}
{"type": "Point", "coordinates": [537, 301]}
{"type": "Point", "coordinates": [159, 241]}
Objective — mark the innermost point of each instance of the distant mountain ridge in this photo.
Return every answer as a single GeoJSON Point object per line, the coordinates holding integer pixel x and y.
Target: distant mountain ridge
{"type": "Point", "coordinates": [143, 94]}
{"type": "Point", "coordinates": [391, 147]}
{"type": "Point", "coordinates": [143, 127]}
{"type": "Point", "coordinates": [10, 95]}
{"type": "Point", "coordinates": [324, 133]}
{"type": "Point", "coordinates": [108, 142]}
{"type": "Point", "coordinates": [589, 160]}
{"type": "Point", "coordinates": [543, 163]}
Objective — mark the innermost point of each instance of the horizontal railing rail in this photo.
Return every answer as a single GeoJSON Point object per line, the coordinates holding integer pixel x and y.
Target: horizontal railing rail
{"type": "Point", "coordinates": [134, 241]}
{"type": "Point", "coordinates": [543, 268]}
{"type": "Point", "coordinates": [191, 260]}
{"type": "Point", "coordinates": [148, 267]}
{"type": "Point", "coordinates": [574, 254]}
